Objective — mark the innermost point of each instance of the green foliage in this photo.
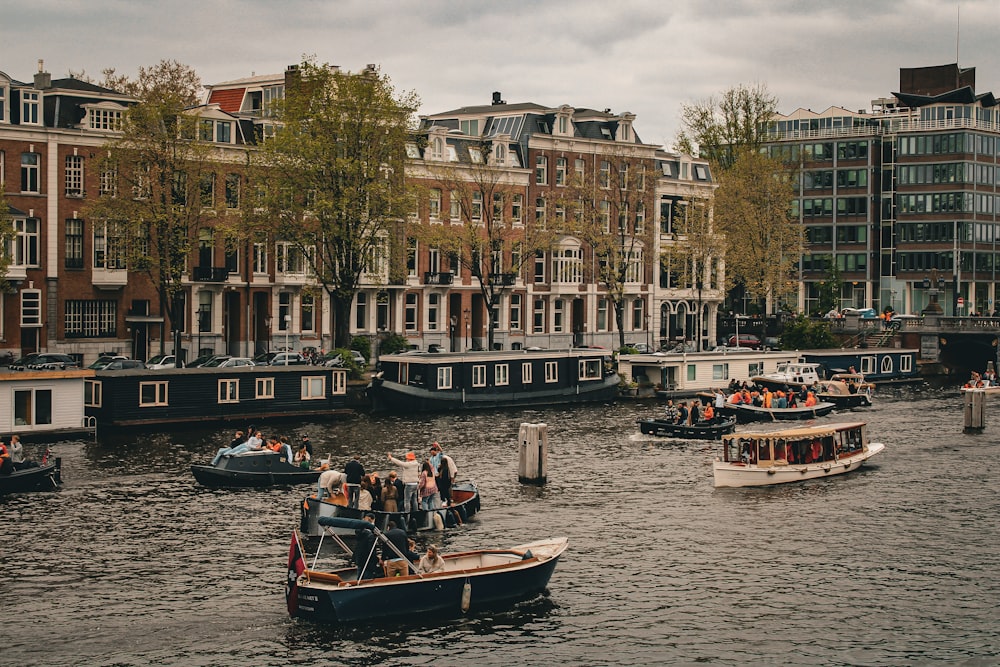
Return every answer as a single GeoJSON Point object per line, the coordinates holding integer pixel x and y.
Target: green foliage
{"type": "Point", "coordinates": [362, 345]}
{"type": "Point", "coordinates": [803, 333]}
{"type": "Point", "coordinates": [354, 371]}
{"type": "Point", "coordinates": [6, 234]}
{"type": "Point", "coordinates": [628, 349]}
{"type": "Point", "coordinates": [394, 343]}
{"type": "Point", "coordinates": [828, 290]}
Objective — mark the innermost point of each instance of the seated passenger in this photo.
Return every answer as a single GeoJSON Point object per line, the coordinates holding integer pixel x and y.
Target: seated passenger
{"type": "Point", "coordinates": [431, 561]}
{"type": "Point", "coordinates": [811, 400]}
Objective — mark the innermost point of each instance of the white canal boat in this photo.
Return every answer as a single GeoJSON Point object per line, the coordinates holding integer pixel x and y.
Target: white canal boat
{"type": "Point", "coordinates": [793, 455]}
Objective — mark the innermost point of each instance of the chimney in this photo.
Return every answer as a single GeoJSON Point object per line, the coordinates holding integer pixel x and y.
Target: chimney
{"type": "Point", "coordinates": [496, 98]}
{"type": "Point", "coordinates": [43, 80]}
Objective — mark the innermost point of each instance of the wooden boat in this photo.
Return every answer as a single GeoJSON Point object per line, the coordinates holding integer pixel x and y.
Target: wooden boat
{"type": "Point", "coordinates": [470, 581]}
{"type": "Point", "coordinates": [710, 430]}
{"type": "Point", "coordinates": [846, 390]}
{"type": "Point", "coordinates": [464, 504]}
{"type": "Point", "coordinates": [262, 468]}
{"type": "Point", "coordinates": [442, 381]}
{"type": "Point", "coordinates": [751, 413]}
{"type": "Point", "coordinates": [44, 477]}
{"type": "Point", "coordinates": [792, 455]}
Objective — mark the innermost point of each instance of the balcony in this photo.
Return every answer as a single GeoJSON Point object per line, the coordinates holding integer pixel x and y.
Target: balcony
{"type": "Point", "coordinates": [210, 274]}
{"type": "Point", "coordinates": [505, 279]}
{"type": "Point", "coordinates": [439, 277]}
{"type": "Point", "coordinates": [109, 278]}
{"type": "Point", "coordinates": [291, 279]}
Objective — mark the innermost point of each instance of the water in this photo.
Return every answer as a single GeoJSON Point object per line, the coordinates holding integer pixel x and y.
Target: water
{"type": "Point", "coordinates": [131, 563]}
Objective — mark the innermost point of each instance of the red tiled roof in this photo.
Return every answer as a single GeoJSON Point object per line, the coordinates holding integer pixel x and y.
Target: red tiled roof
{"type": "Point", "coordinates": [228, 100]}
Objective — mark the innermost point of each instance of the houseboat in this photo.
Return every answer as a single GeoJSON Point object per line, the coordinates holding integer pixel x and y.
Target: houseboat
{"type": "Point", "coordinates": [440, 382]}
{"type": "Point", "coordinates": [685, 374]}
{"type": "Point", "coordinates": [880, 365]}
{"type": "Point", "coordinates": [43, 405]}
{"type": "Point", "coordinates": [187, 395]}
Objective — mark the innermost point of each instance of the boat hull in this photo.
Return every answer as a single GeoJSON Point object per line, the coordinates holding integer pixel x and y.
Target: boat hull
{"type": "Point", "coordinates": [705, 431]}
{"type": "Point", "coordinates": [404, 399]}
{"type": "Point", "coordinates": [253, 469]}
{"type": "Point", "coordinates": [442, 593]}
{"type": "Point", "coordinates": [46, 477]}
{"type": "Point", "coordinates": [739, 474]}
{"type": "Point", "coordinates": [751, 413]}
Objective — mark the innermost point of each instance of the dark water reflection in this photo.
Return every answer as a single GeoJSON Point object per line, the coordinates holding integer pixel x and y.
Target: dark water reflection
{"type": "Point", "coordinates": [133, 564]}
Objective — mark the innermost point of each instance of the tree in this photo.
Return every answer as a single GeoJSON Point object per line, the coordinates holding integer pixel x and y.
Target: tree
{"type": "Point", "coordinates": [150, 217]}
{"type": "Point", "coordinates": [6, 237]}
{"type": "Point", "coordinates": [607, 209]}
{"type": "Point", "coordinates": [487, 242]}
{"type": "Point", "coordinates": [331, 179]}
{"type": "Point", "coordinates": [829, 290]}
{"type": "Point", "coordinates": [717, 128]}
{"type": "Point", "coordinates": [805, 334]}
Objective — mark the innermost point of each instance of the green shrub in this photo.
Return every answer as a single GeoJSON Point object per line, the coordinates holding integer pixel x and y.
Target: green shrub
{"type": "Point", "coordinates": [363, 345]}
{"type": "Point", "coordinates": [394, 343]}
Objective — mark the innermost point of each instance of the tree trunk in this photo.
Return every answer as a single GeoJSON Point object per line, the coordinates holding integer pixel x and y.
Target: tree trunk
{"type": "Point", "coordinates": [620, 322]}
{"type": "Point", "coordinates": [341, 320]}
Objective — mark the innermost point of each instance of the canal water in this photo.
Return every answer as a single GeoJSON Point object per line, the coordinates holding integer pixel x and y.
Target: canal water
{"type": "Point", "coordinates": [132, 563]}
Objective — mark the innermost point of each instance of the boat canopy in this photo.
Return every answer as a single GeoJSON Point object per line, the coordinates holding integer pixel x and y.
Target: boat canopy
{"type": "Point", "coordinates": [796, 433]}
{"type": "Point", "coordinates": [344, 522]}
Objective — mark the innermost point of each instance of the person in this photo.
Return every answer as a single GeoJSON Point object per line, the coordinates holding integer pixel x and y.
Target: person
{"type": "Point", "coordinates": [365, 555]}
{"type": "Point", "coordinates": [303, 457]}
{"type": "Point", "coordinates": [16, 452]}
{"type": "Point", "coordinates": [695, 415]}
{"type": "Point", "coordinates": [355, 472]}
{"type": "Point", "coordinates": [430, 561]}
{"type": "Point", "coordinates": [709, 414]}
{"type": "Point", "coordinates": [435, 458]}
{"type": "Point", "coordinates": [6, 466]}
{"type": "Point", "coordinates": [671, 411]}
{"type": "Point", "coordinates": [394, 565]}
{"type": "Point", "coordinates": [329, 484]}
{"type": "Point", "coordinates": [390, 495]}
{"type": "Point", "coordinates": [284, 448]}
{"type": "Point", "coordinates": [410, 472]}
{"type": "Point", "coordinates": [365, 495]}
{"type": "Point", "coordinates": [307, 443]}
{"type": "Point", "coordinates": [252, 444]}
{"type": "Point", "coordinates": [446, 475]}
{"type": "Point", "coordinates": [720, 399]}
{"type": "Point", "coordinates": [375, 488]}
{"type": "Point", "coordinates": [682, 413]}
{"type": "Point", "coordinates": [810, 400]}
{"type": "Point", "coordinates": [427, 486]}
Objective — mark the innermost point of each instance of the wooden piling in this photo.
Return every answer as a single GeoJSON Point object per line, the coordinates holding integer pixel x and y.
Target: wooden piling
{"type": "Point", "coordinates": [975, 410]}
{"type": "Point", "coordinates": [533, 445]}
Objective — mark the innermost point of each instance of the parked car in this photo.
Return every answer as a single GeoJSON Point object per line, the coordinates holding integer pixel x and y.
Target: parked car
{"type": "Point", "coordinates": [863, 313]}
{"type": "Point", "coordinates": [123, 365]}
{"type": "Point", "coordinates": [198, 362]}
{"type": "Point", "coordinates": [52, 361]}
{"type": "Point", "coordinates": [103, 362]}
{"type": "Point", "coordinates": [22, 363]}
{"type": "Point", "coordinates": [359, 358]}
{"type": "Point", "coordinates": [280, 359]}
{"type": "Point", "coordinates": [228, 362]}
{"type": "Point", "coordinates": [897, 321]}
{"type": "Point", "coordinates": [161, 362]}
{"type": "Point", "coordinates": [745, 340]}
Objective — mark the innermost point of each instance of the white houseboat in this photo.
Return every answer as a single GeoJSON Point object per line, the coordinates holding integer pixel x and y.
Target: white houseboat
{"type": "Point", "coordinates": [688, 373]}
{"type": "Point", "coordinates": [40, 405]}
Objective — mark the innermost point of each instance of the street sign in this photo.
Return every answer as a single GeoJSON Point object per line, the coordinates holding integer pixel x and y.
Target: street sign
{"type": "Point", "coordinates": [961, 301]}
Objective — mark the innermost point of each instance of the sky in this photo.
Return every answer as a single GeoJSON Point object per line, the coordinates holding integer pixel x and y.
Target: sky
{"type": "Point", "coordinates": [648, 57]}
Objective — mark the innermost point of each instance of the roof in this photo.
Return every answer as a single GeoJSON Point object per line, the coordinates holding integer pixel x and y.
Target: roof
{"type": "Point", "coordinates": [230, 99]}
{"type": "Point", "coordinates": [71, 83]}
{"type": "Point", "coordinates": [964, 95]}
{"type": "Point", "coordinates": [797, 433]}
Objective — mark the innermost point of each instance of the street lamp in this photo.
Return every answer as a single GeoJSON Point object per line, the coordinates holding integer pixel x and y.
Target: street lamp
{"type": "Point", "coordinates": [738, 317]}
{"type": "Point", "coordinates": [288, 327]}
{"type": "Point", "coordinates": [468, 327]}
{"type": "Point", "coordinates": [202, 324]}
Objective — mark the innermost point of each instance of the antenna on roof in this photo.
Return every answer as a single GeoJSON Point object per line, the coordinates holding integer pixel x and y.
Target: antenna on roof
{"type": "Point", "coordinates": [958, 39]}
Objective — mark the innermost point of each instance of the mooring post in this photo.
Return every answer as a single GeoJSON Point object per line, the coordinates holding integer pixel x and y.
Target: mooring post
{"type": "Point", "coordinates": [975, 410]}
{"type": "Point", "coordinates": [533, 444]}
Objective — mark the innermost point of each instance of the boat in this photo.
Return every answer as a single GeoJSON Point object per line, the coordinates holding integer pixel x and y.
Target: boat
{"type": "Point", "coordinates": [414, 381]}
{"type": "Point", "coordinates": [789, 375]}
{"type": "Point", "coordinates": [708, 430]}
{"type": "Point", "coordinates": [846, 390]}
{"type": "Point", "coordinates": [44, 477]}
{"type": "Point", "coordinates": [464, 504]}
{"type": "Point", "coordinates": [793, 455]}
{"type": "Point", "coordinates": [471, 580]}
{"type": "Point", "coordinates": [258, 469]}
{"type": "Point", "coordinates": [671, 374]}
{"type": "Point", "coordinates": [752, 413]}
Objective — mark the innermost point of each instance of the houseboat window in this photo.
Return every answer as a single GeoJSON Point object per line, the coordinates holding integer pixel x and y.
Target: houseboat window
{"type": "Point", "coordinates": [551, 371]}
{"type": "Point", "coordinates": [32, 406]}
{"type": "Point", "coordinates": [868, 365]}
{"type": "Point", "coordinates": [92, 391]}
{"type": "Point", "coordinates": [313, 388]}
{"type": "Point", "coordinates": [755, 368]}
{"type": "Point", "coordinates": [502, 375]}
{"type": "Point", "coordinates": [763, 451]}
{"type": "Point", "coordinates": [152, 394]}
{"type": "Point", "coordinates": [339, 383]}
{"type": "Point", "coordinates": [479, 375]}
{"type": "Point", "coordinates": [692, 372]}
{"type": "Point", "coordinates": [229, 391]}
{"type": "Point", "coordinates": [444, 377]}
{"type": "Point", "coordinates": [906, 363]}
{"type": "Point", "coordinates": [526, 372]}
{"type": "Point", "coordinates": [590, 369]}
{"type": "Point", "coordinates": [720, 371]}
{"type": "Point", "coordinates": [265, 388]}
{"type": "Point", "coordinates": [886, 364]}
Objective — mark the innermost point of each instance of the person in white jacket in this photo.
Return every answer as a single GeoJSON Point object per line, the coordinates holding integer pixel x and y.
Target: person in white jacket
{"type": "Point", "coordinates": [410, 473]}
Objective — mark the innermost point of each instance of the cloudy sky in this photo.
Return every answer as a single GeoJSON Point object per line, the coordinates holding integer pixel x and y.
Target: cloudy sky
{"type": "Point", "coordinates": [644, 56]}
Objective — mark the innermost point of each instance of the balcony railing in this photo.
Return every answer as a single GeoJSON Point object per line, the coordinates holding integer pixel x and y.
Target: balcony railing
{"type": "Point", "coordinates": [210, 274]}
{"type": "Point", "coordinates": [439, 277]}
{"type": "Point", "coordinates": [505, 279]}
{"type": "Point", "coordinates": [109, 278]}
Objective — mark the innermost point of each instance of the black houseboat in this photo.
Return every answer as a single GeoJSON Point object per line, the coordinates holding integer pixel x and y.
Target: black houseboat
{"type": "Point", "coordinates": [248, 393]}
{"type": "Point", "coordinates": [438, 382]}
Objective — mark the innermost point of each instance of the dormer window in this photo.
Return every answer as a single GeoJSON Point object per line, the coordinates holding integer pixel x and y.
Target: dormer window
{"type": "Point", "coordinates": [437, 148]}
{"type": "Point", "coordinates": [470, 127]}
{"type": "Point", "coordinates": [476, 155]}
{"type": "Point", "coordinates": [606, 132]}
{"type": "Point", "coordinates": [3, 103]}
{"type": "Point", "coordinates": [563, 125]}
{"type": "Point", "coordinates": [500, 154]}
{"type": "Point", "coordinates": [29, 108]}
{"type": "Point", "coordinates": [219, 131]}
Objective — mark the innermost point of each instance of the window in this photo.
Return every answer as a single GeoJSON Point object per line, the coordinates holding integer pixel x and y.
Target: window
{"type": "Point", "coordinates": [179, 193]}
{"type": "Point", "coordinates": [410, 311]}
{"type": "Point", "coordinates": [361, 311]}
{"type": "Point", "coordinates": [207, 188]}
{"type": "Point", "coordinates": [229, 391]}
{"type": "Point", "coordinates": [538, 325]}
{"type": "Point", "coordinates": [540, 212]}
{"type": "Point", "coordinates": [567, 265]}
{"type": "Point", "coordinates": [579, 169]}
{"type": "Point", "coordinates": [604, 216]}
{"type": "Point", "coordinates": [264, 388]}
{"type": "Point", "coordinates": [541, 170]}
{"type": "Point", "coordinates": [640, 219]}
{"type": "Point", "coordinates": [411, 257]}
{"type": "Point", "coordinates": [3, 109]}
{"type": "Point", "coordinates": [74, 176]}
{"type": "Point", "coordinates": [720, 371]}
{"type": "Point", "coordinates": [31, 308]}
{"type": "Point", "coordinates": [444, 377]}
{"type": "Point", "coordinates": [291, 259]}
{"type": "Point", "coordinates": [867, 365]}
{"type": "Point", "coordinates": [308, 307]}
{"type": "Point", "coordinates": [551, 371]}
{"type": "Point", "coordinates": [755, 368]}
{"type": "Point", "coordinates": [905, 364]}
{"type": "Point", "coordinates": [540, 266]}
{"type": "Point", "coordinates": [501, 375]}
{"type": "Point", "coordinates": [259, 258]}
{"type": "Point", "coordinates": [605, 176]}
{"type": "Point", "coordinates": [455, 206]}
{"type": "Point", "coordinates": [92, 393]}
{"type": "Point", "coordinates": [692, 372]}
{"type": "Point", "coordinates": [74, 243]}
{"type": "Point", "coordinates": [29, 172]}
{"type": "Point", "coordinates": [109, 246]}
{"type": "Point", "coordinates": [886, 365]}
{"type": "Point", "coordinates": [498, 207]}
{"type": "Point", "coordinates": [32, 406]}
{"type": "Point", "coordinates": [477, 206]}
{"type": "Point", "coordinates": [152, 394]}
{"type": "Point", "coordinates": [29, 108]}
{"type": "Point", "coordinates": [90, 318]}
{"type": "Point", "coordinates": [515, 311]}
{"type": "Point", "coordinates": [590, 369]}
{"type": "Point", "coordinates": [479, 375]}
{"type": "Point", "coordinates": [525, 372]}
{"type": "Point", "coordinates": [339, 380]}
{"type": "Point", "coordinates": [561, 165]}
{"type": "Point", "coordinates": [638, 314]}
{"type": "Point", "coordinates": [470, 127]}
{"type": "Point", "coordinates": [516, 208]}
{"type": "Point", "coordinates": [232, 191]}
{"type": "Point", "coordinates": [602, 314]}
{"type": "Point", "coordinates": [105, 119]}
{"type": "Point", "coordinates": [434, 204]}
{"type": "Point", "coordinates": [205, 312]}
{"type": "Point", "coordinates": [25, 252]}
{"type": "Point", "coordinates": [433, 310]}
{"type": "Point", "coordinates": [313, 387]}
{"type": "Point", "coordinates": [558, 316]}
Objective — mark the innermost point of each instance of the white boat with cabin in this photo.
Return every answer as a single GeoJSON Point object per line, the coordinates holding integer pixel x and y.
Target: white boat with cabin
{"type": "Point", "coordinates": [686, 373]}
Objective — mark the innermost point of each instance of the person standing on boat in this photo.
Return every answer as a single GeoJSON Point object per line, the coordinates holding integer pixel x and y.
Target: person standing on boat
{"type": "Point", "coordinates": [695, 415]}
{"type": "Point", "coordinates": [446, 473]}
{"type": "Point", "coordinates": [682, 413]}
{"type": "Point", "coordinates": [390, 494]}
{"type": "Point", "coordinates": [17, 453]}
{"type": "Point", "coordinates": [355, 473]}
{"type": "Point", "coordinates": [394, 565]}
{"type": "Point", "coordinates": [410, 472]}
{"type": "Point", "coordinates": [6, 466]}
{"type": "Point", "coordinates": [671, 411]}
{"type": "Point", "coordinates": [330, 483]}
{"type": "Point", "coordinates": [427, 486]}
{"type": "Point", "coordinates": [720, 399]}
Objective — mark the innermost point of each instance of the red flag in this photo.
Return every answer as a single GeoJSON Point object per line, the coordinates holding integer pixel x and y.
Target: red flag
{"type": "Point", "coordinates": [45, 457]}
{"type": "Point", "coordinates": [296, 566]}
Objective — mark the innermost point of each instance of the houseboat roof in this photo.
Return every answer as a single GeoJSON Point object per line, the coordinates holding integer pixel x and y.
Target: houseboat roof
{"type": "Point", "coordinates": [420, 357]}
{"type": "Point", "coordinates": [798, 433]}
